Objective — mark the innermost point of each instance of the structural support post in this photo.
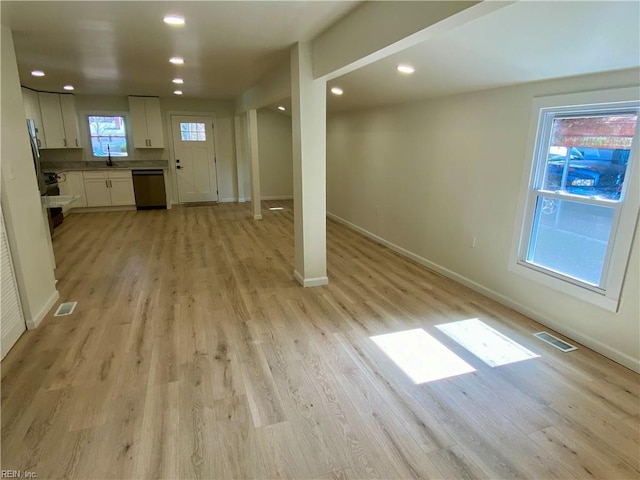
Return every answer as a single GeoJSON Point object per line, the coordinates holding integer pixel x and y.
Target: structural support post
{"type": "Point", "coordinates": [240, 156]}
{"type": "Point", "coordinates": [255, 164]}
{"type": "Point", "coordinates": [308, 99]}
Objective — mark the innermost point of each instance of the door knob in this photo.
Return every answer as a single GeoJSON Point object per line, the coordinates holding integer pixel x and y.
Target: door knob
{"type": "Point", "coordinates": [177, 160]}
{"type": "Point", "coordinates": [178, 167]}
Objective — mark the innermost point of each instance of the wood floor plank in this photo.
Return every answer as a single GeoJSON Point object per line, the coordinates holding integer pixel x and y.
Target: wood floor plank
{"type": "Point", "coordinates": [159, 450]}
{"type": "Point", "coordinates": [577, 453]}
{"type": "Point", "coordinates": [193, 353]}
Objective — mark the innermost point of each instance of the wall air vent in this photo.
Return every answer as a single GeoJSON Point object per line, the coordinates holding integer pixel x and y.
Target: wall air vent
{"type": "Point", "coordinates": [555, 341]}
{"type": "Point", "coordinates": [65, 309]}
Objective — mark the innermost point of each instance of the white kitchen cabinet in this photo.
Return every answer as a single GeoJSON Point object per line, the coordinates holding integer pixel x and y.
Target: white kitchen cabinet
{"type": "Point", "coordinates": [146, 122]}
{"type": "Point", "coordinates": [32, 112]}
{"type": "Point", "coordinates": [97, 192]}
{"type": "Point", "coordinates": [72, 183]}
{"type": "Point", "coordinates": [108, 188]}
{"type": "Point", "coordinates": [70, 120]}
{"type": "Point", "coordinates": [59, 120]}
{"type": "Point", "coordinates": [121, 186]}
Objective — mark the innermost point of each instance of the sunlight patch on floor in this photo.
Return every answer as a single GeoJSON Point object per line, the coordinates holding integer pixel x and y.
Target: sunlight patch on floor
{"type": "Point", "coordinates": [420, 356]}
{"type": "Point", "coordinates": [486, 343]}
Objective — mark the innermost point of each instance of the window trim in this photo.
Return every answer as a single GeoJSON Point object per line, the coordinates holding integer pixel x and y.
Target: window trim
{"type": "Point", "coordinates": [128, 134]}
{"type": "Point", "coordinates": [625, 219]}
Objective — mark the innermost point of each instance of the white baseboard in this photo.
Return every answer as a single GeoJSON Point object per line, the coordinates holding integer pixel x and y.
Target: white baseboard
{"type": "Point", "coordinates": [278, 197]}
{"type": "Point", "coordinates": [228, 200]}
{"type": "Point", "coordinates": [602, 348]}
{"type": "Point", "coordinates": [257, 217]}
{"type": "Point", "coordinates": [310, 282]}
{"type": "Point", "coordinates": [35, 321]}
{"type": "Point", "coordinates": [112, 208]}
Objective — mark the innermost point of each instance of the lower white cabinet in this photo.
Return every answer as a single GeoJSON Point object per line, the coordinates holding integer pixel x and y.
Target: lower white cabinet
{"type": "Point", "coordinates": [72, 183]}
{"type": "Point", "coordinates": [107, 188]}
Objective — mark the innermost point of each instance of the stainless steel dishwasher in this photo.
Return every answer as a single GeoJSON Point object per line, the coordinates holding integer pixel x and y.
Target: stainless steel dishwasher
{"type": "Point", "coordinates": [148, 186]}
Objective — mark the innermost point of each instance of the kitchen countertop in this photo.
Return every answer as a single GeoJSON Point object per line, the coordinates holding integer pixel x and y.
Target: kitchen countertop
{"type": "Point", "coordinates": [59, 167]}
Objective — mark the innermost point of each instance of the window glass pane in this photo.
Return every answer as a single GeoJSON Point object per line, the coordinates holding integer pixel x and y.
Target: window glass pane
{"type": "Point", "coordinates": [192, 132]}
{"type": "Point", "coordinates": [570, 237]}
{"type": "Point", "coordinates": [108, 136]}
{"type": "Point", "coordinates": [589, 155]}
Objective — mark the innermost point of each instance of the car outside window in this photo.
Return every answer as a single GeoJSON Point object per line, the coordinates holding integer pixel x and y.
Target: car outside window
{"type": "Point", "coordinates": [576, 218]}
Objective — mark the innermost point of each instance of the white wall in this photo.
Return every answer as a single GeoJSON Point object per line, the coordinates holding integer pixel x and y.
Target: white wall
{"type": "Point", "coordinates": [276, 157]}
{"type": "Point", "coordinates": [442, 171]}
{"type": "Point", "coordinates": [21, 203]}
{"type": "Point", "coordinates": [222, 112]}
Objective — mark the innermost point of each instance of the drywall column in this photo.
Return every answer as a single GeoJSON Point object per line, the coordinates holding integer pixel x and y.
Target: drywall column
{"type": "Point", "coordinates": [21, 203]}
{"type": "Point", "coordinates": [240, 156]}
{"type": "Point", "coordinates": [309, 111]}
{"type": "Point", "coordinates": [252, 124]}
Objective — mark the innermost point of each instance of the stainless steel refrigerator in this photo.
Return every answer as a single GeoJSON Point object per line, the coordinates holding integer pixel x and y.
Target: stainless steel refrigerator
{"type": "Point", "coordinates": [31, 127]}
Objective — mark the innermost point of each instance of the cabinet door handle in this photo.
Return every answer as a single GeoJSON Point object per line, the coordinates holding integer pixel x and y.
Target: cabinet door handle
{"type": "Point", "coordinates": [106, 182]}
{"type": "Point", "coordinates": [38, 141]}
{"type": "Point", "coordinates": [77, 143]}
{"type": "Point", "coordinates": [65, 141]}
{"type": "Point", "coordinates": [110, 184]}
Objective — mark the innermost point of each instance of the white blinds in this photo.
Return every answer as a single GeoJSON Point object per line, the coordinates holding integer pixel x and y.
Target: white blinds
{"type": "Point", "coordinates": [11, 317]}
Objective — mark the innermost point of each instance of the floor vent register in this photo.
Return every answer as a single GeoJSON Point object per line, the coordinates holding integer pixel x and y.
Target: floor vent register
{"type": "Point", "coordinates": [555, 341]}
{"type": "Point", "coordinates": [65, 309]}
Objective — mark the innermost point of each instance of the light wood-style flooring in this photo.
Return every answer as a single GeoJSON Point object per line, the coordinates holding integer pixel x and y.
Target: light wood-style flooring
{"type": "Point", "coordinates": [194, 354]}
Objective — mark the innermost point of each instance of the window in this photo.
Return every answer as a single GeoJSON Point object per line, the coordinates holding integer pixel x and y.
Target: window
{"type": "Point", "coordinates": [581, 203]}
{"type": "Point", "coordinates": [108, 135]}
{"type": "Point", "coordinates": [192, 132]}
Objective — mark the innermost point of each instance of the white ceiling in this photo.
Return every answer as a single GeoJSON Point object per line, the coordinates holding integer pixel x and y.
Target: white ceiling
{"type": "Point", "coordinates": [123, 47]}
{"type": "Point", "coordinates": [523, 42]}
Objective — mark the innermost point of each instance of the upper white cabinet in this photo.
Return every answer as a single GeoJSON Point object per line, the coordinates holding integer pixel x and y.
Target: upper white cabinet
{"type": "Point", "coordinates": [70, 120]}
{"type": "Point", "coordinates": [32, 112]}
{"type": "Point", "coordinates": [59, 120]}
{"type": "Point", "coordinates": [146, 122]}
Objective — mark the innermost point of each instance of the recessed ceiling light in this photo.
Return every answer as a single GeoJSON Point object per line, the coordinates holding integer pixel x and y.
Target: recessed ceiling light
{"type": "Point", "coordinates": [68, 87]}
{"type": "Point", "coordinates": [37, 73]}
{"type": "Point", "coordinates": [337, 91]}
{"type": "Point", "coordinates": [177, 60]}
{"type": "Point", "coordinates": [406, 69]}
{"type": "Point", "coordinates": [177, 92]}
{"type": "Point", "coordinates": [173, 20]}
{"type": "Point", "coordinates": [179, 81]}
{"type": "Point", "coordinates": [281, 108]}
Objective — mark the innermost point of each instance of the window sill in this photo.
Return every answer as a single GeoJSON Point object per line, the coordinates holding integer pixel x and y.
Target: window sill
{"type": "Point", "coordinates": [566, 287]}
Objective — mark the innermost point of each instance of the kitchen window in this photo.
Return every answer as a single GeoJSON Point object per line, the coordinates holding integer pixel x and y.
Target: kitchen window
{"type": "Point", "coordinates": [108, 135]}
{"type": "Point", "coordinates": [580, 205]}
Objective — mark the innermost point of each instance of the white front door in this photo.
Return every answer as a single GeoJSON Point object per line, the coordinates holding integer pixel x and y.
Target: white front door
{"type": "Point", "coordinates": [194, 156]}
